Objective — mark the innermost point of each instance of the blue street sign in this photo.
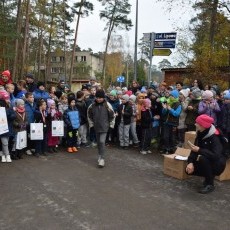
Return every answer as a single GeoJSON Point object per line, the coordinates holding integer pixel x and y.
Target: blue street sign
{"type": "Point", "coordinates": [165, 36]}
{"type": "Point", "coordinates": [165, 44]}
{"type": "Point", "coordinates": [120, 79]}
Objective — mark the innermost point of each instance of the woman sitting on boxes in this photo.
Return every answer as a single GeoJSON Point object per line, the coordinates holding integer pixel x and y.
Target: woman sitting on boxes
{"type": "Point", "coordinates": [206, 158]}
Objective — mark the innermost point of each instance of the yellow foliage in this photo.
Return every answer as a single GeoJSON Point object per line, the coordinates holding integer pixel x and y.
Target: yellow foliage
{"type": "Point", "coordinates": [114, 65]}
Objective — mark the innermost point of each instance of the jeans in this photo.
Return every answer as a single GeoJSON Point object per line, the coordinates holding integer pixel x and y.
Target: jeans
{"type": "Point", "coordinates": [124, 134]}
{"type": "Point", "coordinates": [133, 131]}
{"type": "Point", "coordinates": [101, 137]}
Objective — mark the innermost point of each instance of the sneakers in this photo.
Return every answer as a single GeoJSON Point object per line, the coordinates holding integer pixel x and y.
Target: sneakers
{"type": "Point", "coordinates": [125, 147]}
{"type": "Point", "coordinates": [3, 159]}
{"type": "Point", "coordinates": [149, 151]}
{"type": "Point", "coordinates": [36, 154]}
{"type": "Point", "coordinates": [94, 144]}
{"type": "Point", "coordinates": [207, 189]}
{"type": "Point", "coordinates": [101, 163]}
{"type": "Point", "coordinates": [136, 145]}
{"type": "Point", "coordinates": [85, 145]}
{"type": "Point", "coordinates": [28, 152]}
{"type": "Point", "coordinates": [8, 159]}
{"type": "Point", "coordinates": [143, 152]}
{"type": "Point", "coordinates": [74, 149]}
{"type": "Point", "coordinates": [70, 150]}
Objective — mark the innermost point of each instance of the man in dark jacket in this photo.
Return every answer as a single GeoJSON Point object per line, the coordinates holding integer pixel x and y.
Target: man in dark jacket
{"type": "Point", "coordinates": [206, 158]}
{"type": "Point", "coordinates": [31, 85]}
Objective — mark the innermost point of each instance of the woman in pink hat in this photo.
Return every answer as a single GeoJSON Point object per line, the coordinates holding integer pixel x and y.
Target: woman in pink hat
{"type": "Point", "coordinates": [206, 158]}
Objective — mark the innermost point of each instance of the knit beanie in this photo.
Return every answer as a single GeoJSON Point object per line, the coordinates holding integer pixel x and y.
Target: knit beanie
{"type": "Point", "coordinates": [6, 73]}
{"type": "Point", "coordinates": [125, 97]}
{"type": "Point", "coordinates": [119, 92]}
{"type": "Point", "coordinates": [124, 89]}
{"type": "Point", "coordinates": [146, 102]}
{"type": "Point", "coordinates": [100, 93]}
{"type": "Point", "coordinates": [4, 95]}
{"type": "Point", "coordinates": [19, 102]}
{"type": "Point", "coordinates": [40, 83]}
{"type": "Point", "coordinates": [207, 94]}
{"type": "Point", "coordinates": [50, 102]}
{"type": "Point", "coordinates": [227, 96]}
{"type": "Point", "coordinates": [204, 121]}
{"type": "Point", "coordinates": [174, 93]}
{"type": "Point", "coordinates": [133, 98]}
{"type": "Point", "coordinates": [143, 90]}
{"type": "Point", "coordinates": [197, 94]}
{"type": "Point", "coordinates": [30, 75]}
{"type": "Point", "coordinates": [129, 93]}
{"type": "Point", "coordinates": [185, 92]}
{"type": "Point", "coordinates": [113, 93]}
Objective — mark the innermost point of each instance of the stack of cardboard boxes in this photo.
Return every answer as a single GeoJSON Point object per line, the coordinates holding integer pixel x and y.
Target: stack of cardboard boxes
{"type": "Point", "coordinates": [176, 168]}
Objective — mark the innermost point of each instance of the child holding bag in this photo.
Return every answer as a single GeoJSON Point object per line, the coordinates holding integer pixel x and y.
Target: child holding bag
{"type": "Point", "coordinates": [40, 116]}
{"type": "Point", "coordinates": [52, 115]}
{"type": "Point", "coordinates": [19, 124]}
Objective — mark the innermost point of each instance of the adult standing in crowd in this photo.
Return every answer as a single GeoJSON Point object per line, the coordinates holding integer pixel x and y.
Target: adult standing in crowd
{"type": "Point", "coordinates": [5, 78]}
{"type": "Point", "coordinates": [135, 87]}
{"type": "Point", "coordinates": [206, 158]}
{"type": "Point", "coordinates": [30, 83]}
{"type": "Point", "coordinates": [60, 89]}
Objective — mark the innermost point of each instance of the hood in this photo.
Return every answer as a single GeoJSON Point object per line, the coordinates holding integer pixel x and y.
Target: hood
{"type": "Point", "coordinates": [212, 131]}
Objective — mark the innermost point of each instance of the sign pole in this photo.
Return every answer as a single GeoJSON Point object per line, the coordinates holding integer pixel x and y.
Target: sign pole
{"type": "Point", "coordinates": [151, 56]}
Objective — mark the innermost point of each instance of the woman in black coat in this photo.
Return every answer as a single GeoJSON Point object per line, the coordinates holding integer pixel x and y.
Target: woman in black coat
{"type": "Point", "coordinates": [206, 158]}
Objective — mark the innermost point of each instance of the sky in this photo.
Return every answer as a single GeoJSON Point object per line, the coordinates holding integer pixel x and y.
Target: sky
{"type": "Point", "coordinates": [153, 17]}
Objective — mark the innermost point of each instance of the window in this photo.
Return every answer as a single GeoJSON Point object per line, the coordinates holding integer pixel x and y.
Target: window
{"type": "Point", "coordinates": [54, 70]}
{"type": "Point", "coordinates": [76, 58]}
{"type": "Point", "coordinates": [62, 59]}
{"type": "Point", "coordinates": [53, 59]}
{"type": "Point", "coordinates": [61, 70]}
{"type": "Point", "coordinates": [83, 58]}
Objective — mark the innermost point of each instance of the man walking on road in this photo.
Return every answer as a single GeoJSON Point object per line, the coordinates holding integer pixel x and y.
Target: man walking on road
{"type": "Point", "coordinates": [101, 117]}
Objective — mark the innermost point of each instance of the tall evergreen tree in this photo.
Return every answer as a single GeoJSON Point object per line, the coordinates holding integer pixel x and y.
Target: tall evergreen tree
{"type": "Point", "coordinates": [115, 13]}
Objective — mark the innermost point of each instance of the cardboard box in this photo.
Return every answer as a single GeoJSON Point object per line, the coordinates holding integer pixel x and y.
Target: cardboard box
{"type": "Point", "coordinates": [176, 168]}
{"type": "Point", "coordinates": [226, 173]}
{"type": "Point", "coordinates": [189, 136]}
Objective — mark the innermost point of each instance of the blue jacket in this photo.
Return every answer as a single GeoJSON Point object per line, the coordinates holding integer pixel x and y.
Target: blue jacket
{"type": "Point", "coordinates": [39, 94]}
{"type": "Point", "coordinates": [71, 118]}
{"type": "Point", "coordinates": [30, 109]}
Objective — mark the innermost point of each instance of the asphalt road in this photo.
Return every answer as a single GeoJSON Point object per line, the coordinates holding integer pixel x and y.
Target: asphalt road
{"type": "Point", "coordinates": [67, 191]}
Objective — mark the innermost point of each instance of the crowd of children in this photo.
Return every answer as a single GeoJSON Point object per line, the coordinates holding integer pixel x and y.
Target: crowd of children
{"type": "Point", "coordinates": [142, 118]}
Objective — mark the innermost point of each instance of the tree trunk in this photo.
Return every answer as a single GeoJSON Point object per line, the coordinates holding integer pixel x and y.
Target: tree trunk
{"type": "Point", "coordinates": [47, 68]}
{"type": "Point", "coordinates": [64, 29]}
{"type": "Point", "coordinates": [18, 28]}
{"type": "Point", "coordinates": [26, 37]}
{"type": "Point", "coordinates": [75, 42]}
{"type": "Point", "coordinates": [213, 23]}
{"type": "Point", "coordinates": [111, 26]}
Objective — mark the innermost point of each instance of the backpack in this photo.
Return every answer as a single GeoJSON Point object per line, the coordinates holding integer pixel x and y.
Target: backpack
{"type": "Point", "coordinates": [225, 143]}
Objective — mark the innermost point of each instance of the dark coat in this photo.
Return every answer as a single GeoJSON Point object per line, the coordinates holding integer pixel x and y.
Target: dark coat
{"type": "Point", "coordinates": [81, 106]}
{"type": "Point", "coordinates": [146, 119]}
{"type": "Point", "coordinates": [128, 112]}
{"type": "Point", "coordinates": [210, 147]}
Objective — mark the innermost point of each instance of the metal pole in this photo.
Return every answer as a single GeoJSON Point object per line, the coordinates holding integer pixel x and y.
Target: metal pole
{"type": "Point", "coordinates": [135, 53]}
{"type": "Point", "coordinates": [152, 39]}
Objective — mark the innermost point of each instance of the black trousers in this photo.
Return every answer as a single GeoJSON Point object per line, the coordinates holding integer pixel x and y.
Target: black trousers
{"type": "Point", "coordinates": [204, 167]}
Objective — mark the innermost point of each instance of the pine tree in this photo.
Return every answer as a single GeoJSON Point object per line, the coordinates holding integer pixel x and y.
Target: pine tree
{"type": "Point", "coordinates": [115, 14]}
